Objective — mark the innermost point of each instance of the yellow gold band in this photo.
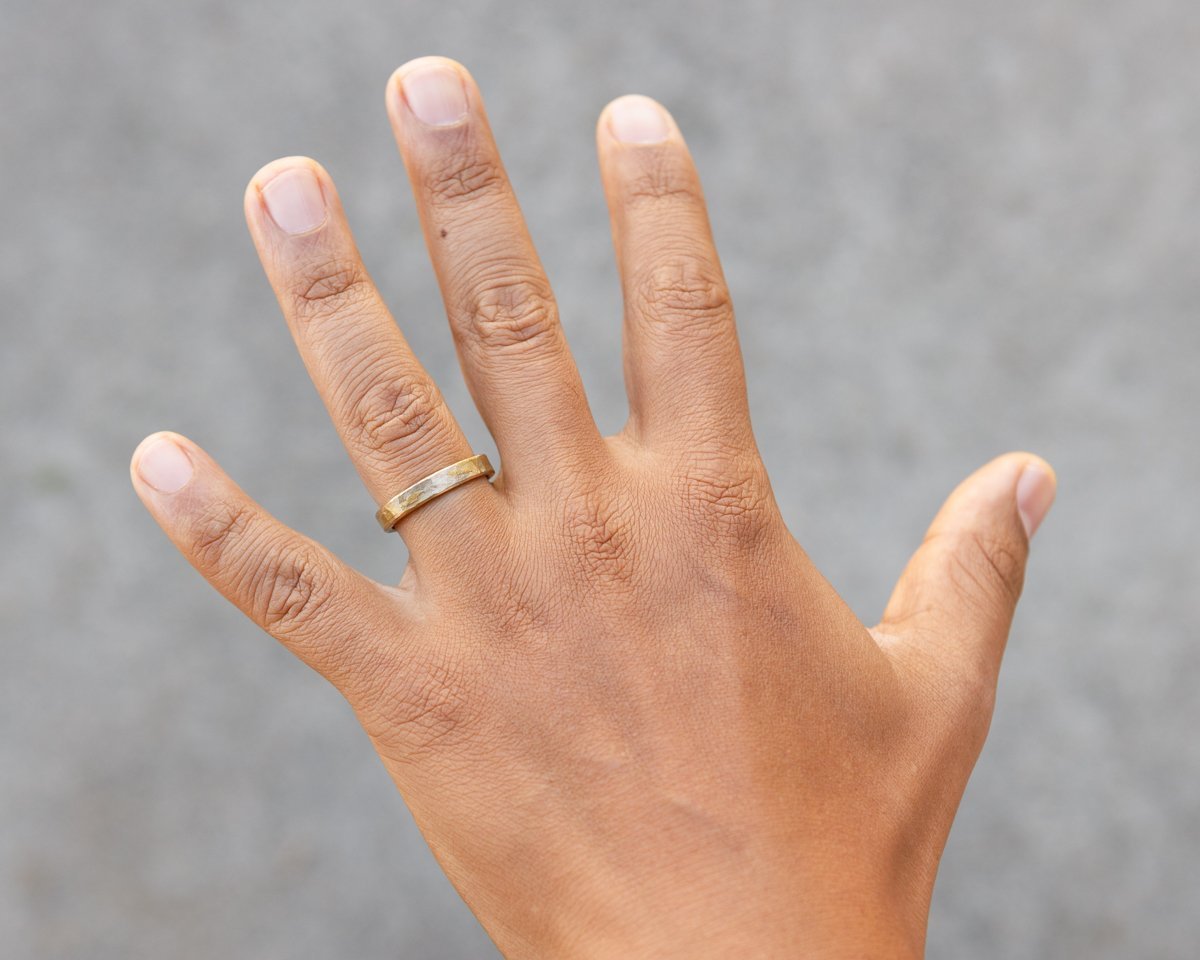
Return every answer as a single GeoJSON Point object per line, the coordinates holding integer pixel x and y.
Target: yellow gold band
{"type": "Point", "coordinates": [434, 485]}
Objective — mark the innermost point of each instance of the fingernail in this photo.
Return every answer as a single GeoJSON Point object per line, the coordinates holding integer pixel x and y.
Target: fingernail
{"type": "Point", "coordinates": [164, 466]}
{"type": "Point", "coordinates": [1035, 494]}
{"type": "Point", "coordinates": [637, 119]}
{"type": "Point", "coordinates": [435, 94]}
{"type": "Point", "coordinates": [295, 200]}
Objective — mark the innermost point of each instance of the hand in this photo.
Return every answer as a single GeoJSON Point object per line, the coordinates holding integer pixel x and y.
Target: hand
{"type": "Point", "coordinates": [628, 714]}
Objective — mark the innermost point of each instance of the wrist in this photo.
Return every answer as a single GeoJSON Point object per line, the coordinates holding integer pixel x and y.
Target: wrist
{"type": "Point", "coordinates": [854, 933]}
{"type": "Point", "coordinates": [747, 921]}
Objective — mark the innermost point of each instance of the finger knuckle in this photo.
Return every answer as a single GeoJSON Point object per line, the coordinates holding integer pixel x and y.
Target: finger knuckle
{"type": "Point", "coordinates": [685, 295]}
{"type": "Point", "coordinates": [393, 413]}
{"type": "Point", "coordinates": [663, 180]}
{"type": "Point", "coordinates": [292, 587]}
{"type": "Point", "coordinates": [729, 498]}
{"type": "Point", "coordinates": [463, 178]}
{"type": "Point", "coordinates": [599, 530]}
{"type": "Point", "coordinates": [329, 287]}
{"type": "Point", "coordinates": [216, 530]}
{"type": "Point", "coordinates": [514, 313]}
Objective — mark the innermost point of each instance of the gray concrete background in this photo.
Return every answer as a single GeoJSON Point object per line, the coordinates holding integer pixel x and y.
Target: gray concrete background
{"type": "Point", "coordinates": [952, 228]}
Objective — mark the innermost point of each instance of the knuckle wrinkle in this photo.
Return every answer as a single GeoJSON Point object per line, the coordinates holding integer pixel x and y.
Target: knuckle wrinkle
{"type": "Point", "coordinates": [329, 287]}
{"type": "Point", "coordinates": [461, 179]}
{"type": "Point", "coordinates": [395, 413]}
{"type": "Point", "coordinates": [514, 313]}
{"type": "Point", "coordinates": [685, 293]}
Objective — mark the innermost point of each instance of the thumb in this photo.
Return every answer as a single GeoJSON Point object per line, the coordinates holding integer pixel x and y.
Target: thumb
{"type": "Point", "coordinates": [955, 600]}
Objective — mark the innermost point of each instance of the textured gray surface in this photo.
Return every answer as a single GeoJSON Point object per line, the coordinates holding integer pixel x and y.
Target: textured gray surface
{"type": "Point", "coordinates": [952, 228]}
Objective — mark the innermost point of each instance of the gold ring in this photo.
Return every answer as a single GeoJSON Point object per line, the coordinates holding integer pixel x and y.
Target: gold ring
{"type": "Point", "coordinates": [434, 485]}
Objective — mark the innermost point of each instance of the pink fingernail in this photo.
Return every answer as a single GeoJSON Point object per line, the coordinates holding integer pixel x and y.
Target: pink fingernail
{"type": "Point", "coordinates": [164, 465]}
{"type": "Point", "coordinates": [435, 94]}
{"type": "Point", "coordinates": [1035, 493]}
{"type": "Point", "coordinates": [638, 119]}
{"type": "Point", "coordinates": [295, 200]}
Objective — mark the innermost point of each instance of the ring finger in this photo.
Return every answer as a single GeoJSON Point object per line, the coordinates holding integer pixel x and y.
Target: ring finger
{"type": "Point", "coordinates": [387, 409]}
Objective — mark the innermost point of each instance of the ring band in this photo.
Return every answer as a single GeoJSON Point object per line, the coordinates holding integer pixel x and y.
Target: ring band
{"type": "Point", "coordinates": [434, 485]}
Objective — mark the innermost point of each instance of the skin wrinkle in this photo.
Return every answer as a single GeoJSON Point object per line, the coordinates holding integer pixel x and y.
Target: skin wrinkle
{"type": "Point", "coordinates": [331, 286]}
{"type": "Point", "coordinates": [466, 178]}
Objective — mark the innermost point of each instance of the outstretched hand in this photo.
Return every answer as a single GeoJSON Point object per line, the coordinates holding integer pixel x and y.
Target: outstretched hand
{"type": "Point", "coordinates": [629, 715]}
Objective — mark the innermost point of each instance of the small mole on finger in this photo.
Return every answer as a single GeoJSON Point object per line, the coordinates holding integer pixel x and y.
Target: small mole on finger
{"type": "Point", "coordinates": [443, 231]}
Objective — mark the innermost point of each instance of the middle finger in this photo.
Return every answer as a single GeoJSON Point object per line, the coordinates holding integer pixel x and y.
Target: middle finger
{"type": "Point", "coordinates": [501, 309]}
